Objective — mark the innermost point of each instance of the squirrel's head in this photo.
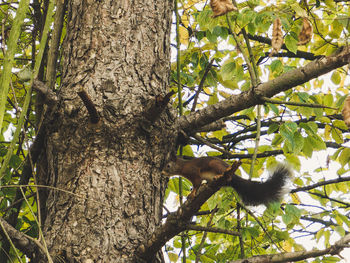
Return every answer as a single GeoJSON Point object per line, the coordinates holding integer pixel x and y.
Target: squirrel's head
{"type": "Point", "coordinates": [172, 168]}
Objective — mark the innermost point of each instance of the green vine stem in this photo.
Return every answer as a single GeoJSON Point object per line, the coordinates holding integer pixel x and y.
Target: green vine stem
{"type": "Point", "coordinates": [179, 89]}
{"type": "Point", "coordinates": [29, 91]}
{"type": "Point", "coordinates": [10, 54]}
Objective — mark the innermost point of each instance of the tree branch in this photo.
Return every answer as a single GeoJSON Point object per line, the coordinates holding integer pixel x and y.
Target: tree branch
{"type": "Point", "coordinates": [313, 186]}
{"type": "Point", "coordinates": [29, 246]}
{"type": "Point", "coordinates": [178, 221]}
{"type": "Point", "coordinates": [90, 106]}
{"type": "Point", "coordinates": [212, 229]}
{"type": "Point", "coordinates": [49, 97]}
{"type": "Point", "coordinates": [268, 89]}
{"type": "Point", "coordinates": [300, 255]}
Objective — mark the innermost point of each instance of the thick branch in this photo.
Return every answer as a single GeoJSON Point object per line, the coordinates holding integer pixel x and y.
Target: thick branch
{"type": "Point", "coordinates": [268, 89]}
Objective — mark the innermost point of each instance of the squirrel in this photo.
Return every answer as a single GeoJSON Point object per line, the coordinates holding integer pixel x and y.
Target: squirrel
{"type": "Point", "coordinates": [209, 168]}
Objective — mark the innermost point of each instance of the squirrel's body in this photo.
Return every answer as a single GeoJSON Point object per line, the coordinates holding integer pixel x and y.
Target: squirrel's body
{"type": "Point", "coordinates": [208, 168]}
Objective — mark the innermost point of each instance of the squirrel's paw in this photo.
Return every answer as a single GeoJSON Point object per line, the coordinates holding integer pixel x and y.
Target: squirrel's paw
{"type": "Point", "coordinates": [216, 177]}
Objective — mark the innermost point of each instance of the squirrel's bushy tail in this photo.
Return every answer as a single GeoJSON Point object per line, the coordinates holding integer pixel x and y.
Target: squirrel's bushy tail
{"type": "Point", "coordinates": [256, 193]}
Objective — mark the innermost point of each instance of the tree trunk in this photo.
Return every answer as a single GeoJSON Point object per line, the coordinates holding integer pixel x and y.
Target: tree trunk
{"type": "Point", "coordinates": [117, 52]}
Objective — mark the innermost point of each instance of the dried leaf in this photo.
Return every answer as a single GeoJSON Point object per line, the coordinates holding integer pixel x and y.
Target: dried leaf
{"type": "Point", "coordinates": [277, 37]}
{"type": "Point", "coordinates": [221, 7]}
{"type": "Point", "coordinates": [305, 33]}
{"type": "Point", "coordinates": [346, 111]}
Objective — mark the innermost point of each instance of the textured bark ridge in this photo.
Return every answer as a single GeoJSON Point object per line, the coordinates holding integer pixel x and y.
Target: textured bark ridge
{"type": "Point", "coordinates": [118, 53]}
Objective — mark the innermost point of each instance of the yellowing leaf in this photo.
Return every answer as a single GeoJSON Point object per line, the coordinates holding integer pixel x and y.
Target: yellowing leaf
{"type": "Point", "coordinates": [337, 135]}
{"type": "Point", "coordinates": [328, 100]}
{"type": "Point", "coordinates": [327, 132]}
{"type": "Point", "coordinates": [336, 78]}
{"type": "Point", "coordinates": [287, 246]}
{"type": "Point", "coordinates": [344, 156]}
{"type": "Point", "coordinates": [172, 257]}
{"type": "Point", "coordinates": [183, 36]}
{"type": "Point", "coordinates": [295, 198]}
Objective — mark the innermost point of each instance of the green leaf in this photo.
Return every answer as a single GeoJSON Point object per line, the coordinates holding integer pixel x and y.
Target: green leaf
{"type": "Point", "coordinates": [213, 99]}
{"type": "Point", "coordinates": [288, 130]}
{"type": "Point", "coordinates": [307, 147]}
{"type": "Point", "coordinates": [317, 142]}
{"type": "Point", "coordinates": [211, 37]}
{"type": "Point", "coordinates": [204, 18]}
{"type": "Point", "coordinates": [291, 43]}
{"type": "Point", "coordinates": [309, 128]}
{"type": "Point", "coordinates": [298, 144]}
{"type": "Point", "coordinates": [228, 70]}
{"type": "Point", "coordinates": [187, 151]}
{"type": "Point", "coordinates": [319, 234]}
{"type": "Point", "coordinates": [15, 161]}
{"type": "Point", "coordinates": [276, 66]}
{"type": "Point", "coordinates": [303, 96]}
{"type": "Point", "coordinates": [273, 108]}
{"type": "Point", "coordinates": [340, 124]}
{"type": "Point", "coordinates": [272, 128]}
{"type": "Point", "coordinates": [277, 140]}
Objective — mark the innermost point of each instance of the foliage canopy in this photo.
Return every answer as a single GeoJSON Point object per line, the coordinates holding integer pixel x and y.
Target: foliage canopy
{"type": "Point", "coordinates": [294, 128]}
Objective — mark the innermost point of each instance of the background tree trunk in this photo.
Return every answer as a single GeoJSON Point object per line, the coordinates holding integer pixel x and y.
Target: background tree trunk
{"type": "Point", "coordinates": [118, 52]}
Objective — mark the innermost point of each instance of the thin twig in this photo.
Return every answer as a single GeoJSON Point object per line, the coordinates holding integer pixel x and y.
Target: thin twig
{"type": "Point", "coordinates": [200, 87]}
{"type": "Point", "coordinates": [212, 229]}
{"type": "Point", "coordinates": [201, 244]}
{"type": "Point", "coordinates": [301, 104]}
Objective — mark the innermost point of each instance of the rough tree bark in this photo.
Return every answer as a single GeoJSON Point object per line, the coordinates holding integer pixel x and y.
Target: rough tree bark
{"type": "Point", "coordinates": [117, 52]}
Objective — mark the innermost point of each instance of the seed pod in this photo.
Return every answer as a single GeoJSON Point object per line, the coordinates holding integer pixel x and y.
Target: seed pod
{"type": "Point", "coordinates": [277, 37]}
{"type": "Point", "coordinates": [221, 7]}
{"type": "Point", "coordinates": [346, 111]}
{"type": "Point", "coordinates": [305, 33]}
